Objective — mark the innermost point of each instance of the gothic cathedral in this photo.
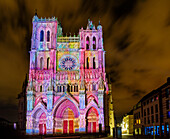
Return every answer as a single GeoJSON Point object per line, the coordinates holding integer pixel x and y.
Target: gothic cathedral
{"type": "Point", "coordinates": [67, 89]}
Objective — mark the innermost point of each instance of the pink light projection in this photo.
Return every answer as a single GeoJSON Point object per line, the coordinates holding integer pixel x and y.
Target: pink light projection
{"type": "Point", "coordinates": [67, 80]}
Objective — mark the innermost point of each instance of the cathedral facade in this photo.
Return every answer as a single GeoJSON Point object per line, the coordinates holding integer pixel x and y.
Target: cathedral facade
{"type": "Point", "coordinates": [67, 89]}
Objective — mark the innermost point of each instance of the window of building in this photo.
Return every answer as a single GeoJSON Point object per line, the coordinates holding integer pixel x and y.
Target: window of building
{"type": "Point", "coordinates": [87, 43]}
{"type": "Point", "coordinates": [76, 88]}
{"type": "Point", "coordinates": [48, 63]}
{"type": "Point", "coordinates": [156, 108]}
{"type": "Point", "coordinates": [42, 36]}
{"type": "Point", "coordinates": [68, 87]}
{"type": "Point", "coordinates": [148, 120]}
{"type": "Point", "coordinates": [71, 88]}
{"type": "Point", "coordinates": [152, 118]}
{"type": "Point", "coordinates": [94, 87]}
{"type": "Point", "coordinates": [148, 111]}
{"type": "Point", "coordinates": [58, 88]}
{"type": "Point", "coordinates": [156, 118]}
{"type": "Point", "coordinates": [152, 99]}
{"type": "Point", "coordinates": [155, 97]}
{"type": "Point", "coordinates": [147, 101]}
{"type": "Point", "coordinates": [87, 62]}
{"type": "Point", "coordinates": [167, 104]}
{"type": "Point", "coordinates": [144, 112]}
{"type": "Point", "coordinates": [94, 63]}
{"type": "Point", "coordinates": [48, 36]}
{"type": "Point", "coordinates": [168, 114]}
{"type": "Point", "coordinates": [64, 88]}
{"type": "Point", "coordinates": [144, 103]}
{"type": "Point", "coordinates": [41, 63]}
{"type": "Point", "coordinates": [152, 110]}
{"type": "Point", "coordinates": [139, 114]}
{"type": "Point", "coordinates": [144, 120]}
{"type": "Point", "coordinates": [167, 93]}
{"type": "Point", "coordinates": [40, 88]}
{"type": "Point", "coordinates": [94, 43]}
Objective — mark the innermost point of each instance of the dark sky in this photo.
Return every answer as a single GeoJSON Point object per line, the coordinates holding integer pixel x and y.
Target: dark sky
{"type": "Point", "coordinates": [136, 40]}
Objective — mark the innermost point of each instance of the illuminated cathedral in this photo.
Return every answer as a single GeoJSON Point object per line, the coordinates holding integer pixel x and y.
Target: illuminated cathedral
{"type": "Point", "coordinates": [67, 89]}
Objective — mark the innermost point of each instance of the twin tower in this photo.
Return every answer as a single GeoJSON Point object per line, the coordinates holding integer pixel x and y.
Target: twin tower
{"type": "Point", "coordinates": [67, 90]}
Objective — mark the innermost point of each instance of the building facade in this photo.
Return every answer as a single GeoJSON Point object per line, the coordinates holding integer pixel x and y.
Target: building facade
{"type": "Point", "coordinates": [153, 112]}
{"type": "Point", "coordinates": [127, 123]}
{"type": "Point", "coordinates": [67, 85]}
{"type": "Point", "coordinates": [22, 107]}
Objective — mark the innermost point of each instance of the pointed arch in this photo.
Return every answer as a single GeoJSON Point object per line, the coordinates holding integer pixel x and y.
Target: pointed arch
{"type": "Point", "coordinates": [61, 100]}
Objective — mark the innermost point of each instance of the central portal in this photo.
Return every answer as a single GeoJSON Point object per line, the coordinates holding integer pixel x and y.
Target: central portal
{"type": "Point", "coordinates": [68, 121]}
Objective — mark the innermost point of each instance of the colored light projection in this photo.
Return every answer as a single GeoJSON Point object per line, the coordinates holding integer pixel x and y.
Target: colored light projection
{"type": "Point", "coordinates": [67, 80]}
{"type": "Point", "coordinates": [68, 62]}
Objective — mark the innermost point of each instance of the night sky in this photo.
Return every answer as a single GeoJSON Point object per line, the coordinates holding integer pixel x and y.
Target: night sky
{"type": "Point", "coordinates": [136, 40]}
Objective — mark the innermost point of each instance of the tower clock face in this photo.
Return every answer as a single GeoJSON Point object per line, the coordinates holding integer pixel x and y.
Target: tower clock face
{"type": "Point", "coordinates": [68, 63]}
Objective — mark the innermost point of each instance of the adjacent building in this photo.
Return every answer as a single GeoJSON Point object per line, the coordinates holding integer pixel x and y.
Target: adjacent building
{"type": "Point", "coordinates": [152, 112]}
{"type": "Point", "coordinates": [127, 123]}
{"type": "Point", "coordinates": [67, 90]}
{"type": "Point", "coordinates": [22, 107]}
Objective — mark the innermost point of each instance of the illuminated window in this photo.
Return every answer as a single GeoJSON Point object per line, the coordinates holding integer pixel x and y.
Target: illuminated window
{"type": "Point", "coordinates": [41, 63]}
{"type": "Point", "coordinates": [48, 63]}
{"type": "Point", "coordinates": [94, 43]}
{"type": "Point", "coordinates": [94, 63]}
{"type": "Point", "coordinates": [48, 36]}
{"type": "Point", "coordinates": [42, 36]}
{"type": "Point", "coordinates": [87, 62]}
{"type": "Point", "coordinates": [87, 43]}
{"type": "Point", "coordinates": [139, 121]}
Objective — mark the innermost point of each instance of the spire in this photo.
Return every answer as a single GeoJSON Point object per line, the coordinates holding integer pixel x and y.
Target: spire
{"type": "Point", "coordinates": [36, 12]}
{"type": "Point", "coordinates": [99, 27]}
{"type": "Point", "coordinates": [99, 23]}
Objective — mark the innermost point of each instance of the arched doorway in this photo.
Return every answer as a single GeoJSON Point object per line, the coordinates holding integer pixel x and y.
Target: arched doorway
{"type": "Point", "coordinates": [66, 117]}
{"type": "Point", "coordinates": [68, 121]}
{"type": "Point", "coordinates": [92, 125]}
{"type": "Point", "coordinates": [42, 124]}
